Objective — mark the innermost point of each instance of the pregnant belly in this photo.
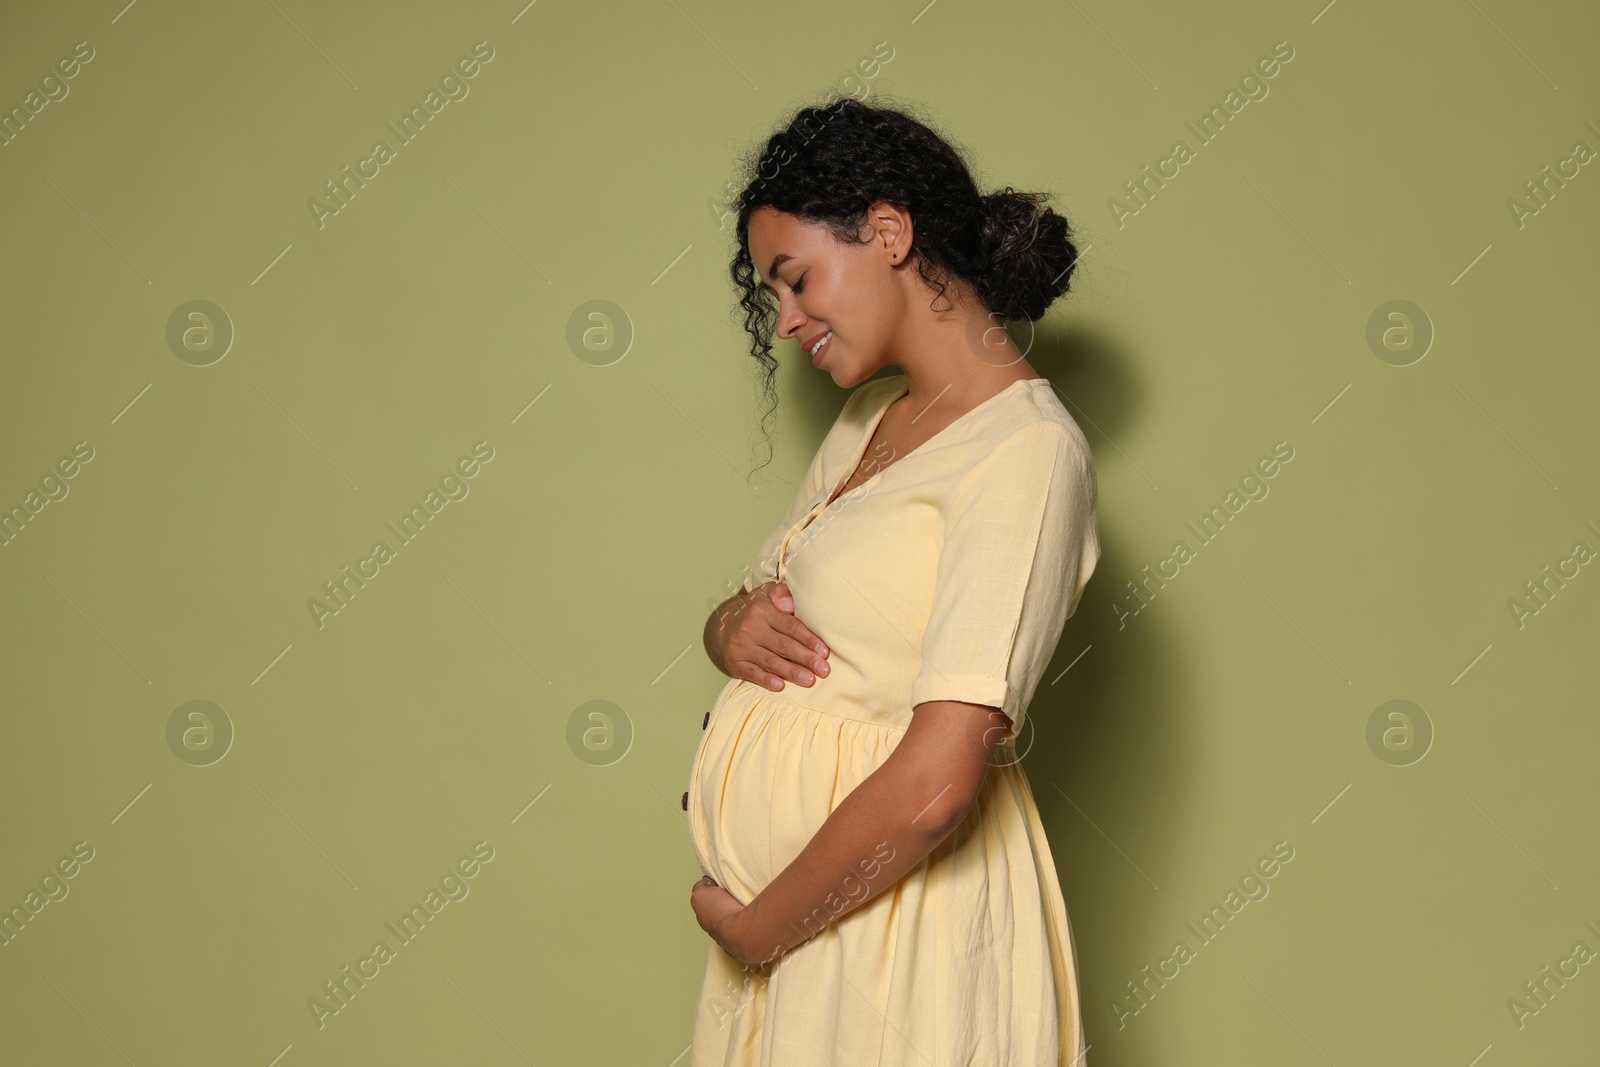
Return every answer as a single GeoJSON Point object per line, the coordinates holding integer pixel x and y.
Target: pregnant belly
{"type": "Point", "coordinates": [767, 775]}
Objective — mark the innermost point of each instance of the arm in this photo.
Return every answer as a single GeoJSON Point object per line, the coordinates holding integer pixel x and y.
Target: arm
{"type": "Point", "coordinates": [886, 827]}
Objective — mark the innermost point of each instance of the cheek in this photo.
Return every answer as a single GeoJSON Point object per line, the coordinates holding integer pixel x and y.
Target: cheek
{"type": "Point", "coordinates": [846, 304]}
{"type": "Point", "coordinates": [864, 321]}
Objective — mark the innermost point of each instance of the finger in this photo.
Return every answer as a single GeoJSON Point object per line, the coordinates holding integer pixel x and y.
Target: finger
{"type": "Point", "coordinates": [761, 666]}
{"type": "Point", "coordinates": [790, 625]}
{"type": "Point", "coordinates": [800, 632]}
{"type": "Point", "coordinates": [780, 596]}
{"type": "Point", "coordinates": [799, 654]}
{"type": "Point", "coordinates": [769, 659]}
{"type": "Point", "coordinates": [762, 678]}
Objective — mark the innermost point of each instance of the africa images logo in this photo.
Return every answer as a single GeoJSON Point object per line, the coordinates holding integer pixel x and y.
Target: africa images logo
{"type": "Point", "coordinates": [452, 84]}
{"type": "Point", "coordinates": [452, 886]}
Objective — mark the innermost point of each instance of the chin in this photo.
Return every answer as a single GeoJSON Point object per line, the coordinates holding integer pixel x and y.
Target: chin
{"type": "Point", "coordinates": [846, 377]}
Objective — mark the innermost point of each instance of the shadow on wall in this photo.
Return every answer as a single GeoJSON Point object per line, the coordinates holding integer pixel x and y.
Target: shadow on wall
{"type": "Point", "coordinates": [1089, 758]}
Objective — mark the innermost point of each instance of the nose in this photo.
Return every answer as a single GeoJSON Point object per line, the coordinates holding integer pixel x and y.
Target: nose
{"type": "Point", "coordinates": [790, 320]}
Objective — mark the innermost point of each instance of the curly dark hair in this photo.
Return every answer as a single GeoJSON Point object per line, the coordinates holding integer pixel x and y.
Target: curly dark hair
{"type": "Point", "coordinates": [830, 162]}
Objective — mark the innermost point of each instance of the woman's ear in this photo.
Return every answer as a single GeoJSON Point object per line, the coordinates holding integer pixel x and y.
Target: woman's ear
{"type": "Point", "coordinates": [892, 228]}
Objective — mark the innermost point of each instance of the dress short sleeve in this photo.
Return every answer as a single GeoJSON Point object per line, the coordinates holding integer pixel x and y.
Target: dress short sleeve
{"type": "Point", "coordinates": [1020, 543]}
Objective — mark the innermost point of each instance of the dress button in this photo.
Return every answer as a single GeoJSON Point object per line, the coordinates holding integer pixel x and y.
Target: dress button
{"type": "Point", "coordinates": [685, 801]}
{"type": "Point", "coordinates": [706, 721]}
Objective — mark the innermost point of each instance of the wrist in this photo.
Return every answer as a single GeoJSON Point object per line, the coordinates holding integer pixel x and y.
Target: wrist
{"type": "Point", "coordinates": [744, 935]}
{"type": "Point", "coordinates": [759, 942]}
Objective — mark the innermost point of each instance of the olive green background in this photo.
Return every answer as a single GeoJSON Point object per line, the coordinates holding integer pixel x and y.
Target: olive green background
{"type": "Point", "coordinates": [447, 703]}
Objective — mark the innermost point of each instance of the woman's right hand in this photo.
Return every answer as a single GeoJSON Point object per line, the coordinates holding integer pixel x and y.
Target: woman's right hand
{"type": "Point", "coordinates": [762, 641]}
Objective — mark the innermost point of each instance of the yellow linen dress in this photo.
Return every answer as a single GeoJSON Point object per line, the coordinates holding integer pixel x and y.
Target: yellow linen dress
{"type": "Point", "coordinates": [947, 575]}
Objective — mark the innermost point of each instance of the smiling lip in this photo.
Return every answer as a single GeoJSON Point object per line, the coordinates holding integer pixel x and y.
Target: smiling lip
{"type": "Point", "coordinates": [816, 360]}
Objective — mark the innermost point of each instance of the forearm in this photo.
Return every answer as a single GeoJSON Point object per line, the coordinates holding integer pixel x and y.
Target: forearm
{"type": "Point", "coordinates": [878, 833]}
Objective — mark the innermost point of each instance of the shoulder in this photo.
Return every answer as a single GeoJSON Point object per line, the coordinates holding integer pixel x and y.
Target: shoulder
{"type": "Point", "coordinates": [1030, 456]}
{"type": "Point", "coordinates": [1038, 431]}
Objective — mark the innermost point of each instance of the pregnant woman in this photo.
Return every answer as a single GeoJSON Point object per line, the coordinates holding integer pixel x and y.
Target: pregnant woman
{"type": "Point", "coordinates": [879, 889]}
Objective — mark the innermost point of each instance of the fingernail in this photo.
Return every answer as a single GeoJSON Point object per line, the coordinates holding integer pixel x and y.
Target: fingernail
{"type": "Point", "coordinates": [786, 603]}
{"type": "Point", "coordinates": [822, 649]}
{"type": "Point", "coordinates": [822, 668]}
{"type": "Point", "coordinates": [777, 685]}
{"type": "Point", "coordinates": [806, 678]}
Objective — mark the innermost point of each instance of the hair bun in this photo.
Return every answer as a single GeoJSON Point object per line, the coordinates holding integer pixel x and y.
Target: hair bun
{"type": "Point", "coordinates": [1028, 251]}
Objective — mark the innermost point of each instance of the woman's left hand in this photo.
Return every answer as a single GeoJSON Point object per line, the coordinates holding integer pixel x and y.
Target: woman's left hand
{"type": "Point", "coordinates": [718, 912]}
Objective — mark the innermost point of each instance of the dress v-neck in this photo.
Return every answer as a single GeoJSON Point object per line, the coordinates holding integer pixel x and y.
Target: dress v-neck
{"type": "Point", "coordinates": [877, 421]}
